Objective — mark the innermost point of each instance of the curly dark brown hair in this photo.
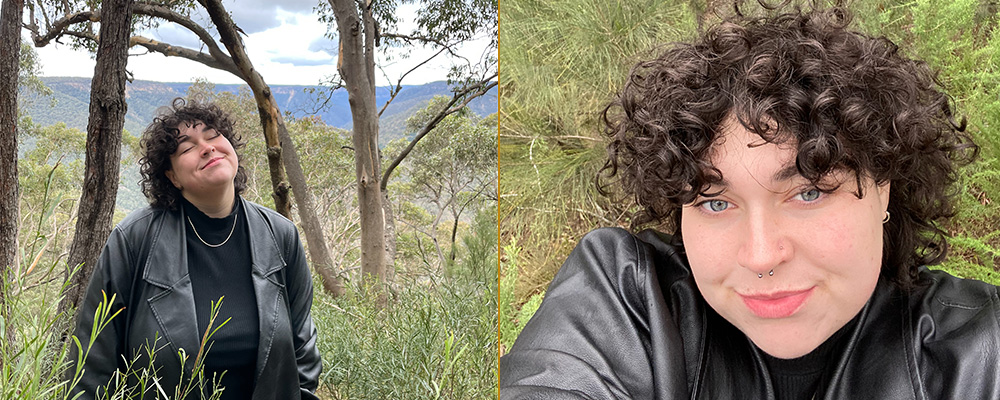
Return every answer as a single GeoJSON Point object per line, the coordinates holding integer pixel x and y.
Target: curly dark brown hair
{"type": "Point", "coordinates": [159, 142]}
{"type": "Point", "coordinates": [845, 100]}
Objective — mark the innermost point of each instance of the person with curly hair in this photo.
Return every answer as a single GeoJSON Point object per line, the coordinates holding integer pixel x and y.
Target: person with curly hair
{"type": "Point", "coordinates": [198, 246]}
{"type": "Point", "coordinates": [801, 172]}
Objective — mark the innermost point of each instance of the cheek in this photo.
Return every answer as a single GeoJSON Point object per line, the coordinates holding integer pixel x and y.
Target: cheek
{"type": "Point", "coordinates": [709, 250]}
{"type": "Point", "coordinates": [848, 247]}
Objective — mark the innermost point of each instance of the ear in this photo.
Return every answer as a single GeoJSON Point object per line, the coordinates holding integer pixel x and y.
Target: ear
{"type": "Point", "coordinates": [173, 179]}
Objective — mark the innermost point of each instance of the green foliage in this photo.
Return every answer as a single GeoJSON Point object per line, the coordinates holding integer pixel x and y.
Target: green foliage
{"type": "Point", "coordinates": [49, 174]}
{"type": "Point", "coordinates": [512, 316]}
{"type": "Point", "coordinates": [975, 240]}
{"type": "Point", "coordinates": [450, 171]}
{"type": "Point", "coordinates": [436, 339]}
{"type": "Point", "coordinates": [28, 80]}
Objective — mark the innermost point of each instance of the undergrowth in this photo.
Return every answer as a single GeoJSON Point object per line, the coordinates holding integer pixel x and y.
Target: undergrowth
{"type": "Point", "coordinates": [434, 339]}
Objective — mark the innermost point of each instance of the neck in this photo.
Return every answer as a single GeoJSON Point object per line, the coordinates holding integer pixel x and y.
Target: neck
{"type": "Point", "coordinates": [214, 205]}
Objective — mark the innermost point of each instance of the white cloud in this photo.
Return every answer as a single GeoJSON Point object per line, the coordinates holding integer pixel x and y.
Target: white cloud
{"type": "Point", "coordinates": [293, 52]}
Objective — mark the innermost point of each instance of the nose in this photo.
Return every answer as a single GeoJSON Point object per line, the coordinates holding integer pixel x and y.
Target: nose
{"type": "Point", "coordinates": [764, 245]}
{"type": "Point", "coordinates": [207, 148]}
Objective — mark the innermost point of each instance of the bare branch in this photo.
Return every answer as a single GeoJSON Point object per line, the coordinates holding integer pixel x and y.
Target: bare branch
{"type": "Point", "coordinates": [61, 25]}
{"type": "Point", "coordinates": [83, 35]}
{"type": "Point", "coordinates": [215, 58]}
{"type": "Point", "coordinates": [466, 95]}
{"type": "Point", "coordinates": [327, 94]}
{"type": "Point", "coordinates": [225, 64]}
{"type": "Point", "coordinates": [203, 34]}
{"type": "Point", "coordinates": [399, 83]}
{"type": "Point", "coordinates": [425, 40]}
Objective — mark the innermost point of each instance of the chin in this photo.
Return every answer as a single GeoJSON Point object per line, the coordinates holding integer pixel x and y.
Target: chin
{"type": "Point", "coordinates": [787, 349]}
{"type": "Point", "coordinates": [787, 339]}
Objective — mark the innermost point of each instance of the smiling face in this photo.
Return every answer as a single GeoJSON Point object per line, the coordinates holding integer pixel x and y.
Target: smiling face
{"type": "Point", "coordinates": [824, 248]}
{"type": "Point", "coordinates": [204, 164]}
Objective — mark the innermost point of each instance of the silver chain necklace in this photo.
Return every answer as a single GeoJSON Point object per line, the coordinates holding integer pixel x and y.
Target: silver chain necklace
{"type": "Point", "coordinates": [214, 245]}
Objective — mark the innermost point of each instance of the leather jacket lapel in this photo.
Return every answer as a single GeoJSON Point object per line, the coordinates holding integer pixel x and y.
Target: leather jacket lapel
{"type": "Point", "coordinates": [268, 285]}
{"type": "Point", "coordinates": [170, 294]}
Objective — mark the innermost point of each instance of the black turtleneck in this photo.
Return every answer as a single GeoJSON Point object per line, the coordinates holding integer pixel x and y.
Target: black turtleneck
{"type": "Point", "coordinates": [799, 378]}
{"type": "Point", "coordinates": [224, 271]}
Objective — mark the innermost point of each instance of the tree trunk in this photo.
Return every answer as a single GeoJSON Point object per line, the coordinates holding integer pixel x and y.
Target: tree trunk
{"type": "Point", "coordinates": [10, 46]}
{"type": "Point", "coordinates": [454, 232]}
{"type": "Point", "coordinates": [104, 140]}
{"type": "Point", "coordinates": [274, 125]}
{"type": "Point", "coordinates": [270, 114]}
{"type": "Point", "coordinates": [318, 250]}
{"type": "Point", "coordinates": [390, 237]}
{"type": "Point", "coordinates": [356, 65]}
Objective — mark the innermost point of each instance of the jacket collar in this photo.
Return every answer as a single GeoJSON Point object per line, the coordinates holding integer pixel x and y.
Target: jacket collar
{"type": "Point", "coordinates": [169, 248]}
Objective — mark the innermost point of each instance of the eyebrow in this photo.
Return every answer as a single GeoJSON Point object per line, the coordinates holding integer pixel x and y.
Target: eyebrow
{"type": "Point", "coordinates": [787, 172]}
{"type": "Point", "coordinates": [193, 124]}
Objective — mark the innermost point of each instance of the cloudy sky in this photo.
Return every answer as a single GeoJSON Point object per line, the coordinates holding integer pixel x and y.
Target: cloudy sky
{"type": "Point", "coordinates": [285, 42]}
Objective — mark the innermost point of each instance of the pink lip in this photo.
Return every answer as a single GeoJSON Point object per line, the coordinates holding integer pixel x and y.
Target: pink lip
{"type": "Point", "coordinates": [212, 162]}
{"type": "Point", "coordinates": [777, 304]}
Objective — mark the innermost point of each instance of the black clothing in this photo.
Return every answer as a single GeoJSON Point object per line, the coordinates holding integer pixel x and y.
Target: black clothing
{"type": "Point", "coordinates": [797, 378]}
{"type": "Point", "coordinates": [224, 271]}
{"type": "Point", "coordinates": [153, 241]}
{"type": "Point", "coordinates": [623, 319]}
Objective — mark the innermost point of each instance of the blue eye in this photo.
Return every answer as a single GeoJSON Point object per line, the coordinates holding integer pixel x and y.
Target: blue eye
{"type": "Point", "coordinates": [714, 205]}
{"type": "Point", "coordinates": [810, 195]}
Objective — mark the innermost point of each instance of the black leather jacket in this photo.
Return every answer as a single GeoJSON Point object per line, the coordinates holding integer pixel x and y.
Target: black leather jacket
{"type": "Point", "coordinates": [288, 362]}
{"type": "Point", "coordinates": [623, 319]}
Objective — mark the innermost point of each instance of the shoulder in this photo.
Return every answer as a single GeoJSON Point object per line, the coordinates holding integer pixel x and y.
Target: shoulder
{"type": "Point", "coordinates": [136, 224]}
{"type": "Point", "coordinates": [611, 246]}
{"type": "Point", "coordinates": [955, 304]}
{"type": "Point", "coordinates": [626, 259]}
{"type": "Point", "coordinates": [956, 323]}
{"type": "Point", "coordinates": [955, 300]}
{"type": "Point", "coordinates": [278, 224]}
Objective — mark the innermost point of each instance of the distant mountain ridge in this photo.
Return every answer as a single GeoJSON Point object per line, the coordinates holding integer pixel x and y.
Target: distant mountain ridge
{"type": "Point", "coordinates": [72, 98]}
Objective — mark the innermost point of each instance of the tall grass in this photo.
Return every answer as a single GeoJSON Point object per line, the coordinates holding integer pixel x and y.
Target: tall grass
{"type": "Point", "coordinates": [435, 339]}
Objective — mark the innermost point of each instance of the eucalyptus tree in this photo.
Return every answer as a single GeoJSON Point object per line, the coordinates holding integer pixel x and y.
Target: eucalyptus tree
{"type": "Point", "coordinates": [103, 148]}
{"type": "Point", "coordinates": [361, 27]}
{"type": "Point", "coordinates": [455, 169]}
{"type": "Point", "coordinates": [10, 46]}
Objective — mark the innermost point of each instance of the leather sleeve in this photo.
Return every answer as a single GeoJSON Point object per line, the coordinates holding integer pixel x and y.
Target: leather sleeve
{"type": "Point", "coordinates": [590, 338]}
{"type": "Point", "coordinates": [300, 297]}
{"type": "Point", "coordinates": [108, 278]}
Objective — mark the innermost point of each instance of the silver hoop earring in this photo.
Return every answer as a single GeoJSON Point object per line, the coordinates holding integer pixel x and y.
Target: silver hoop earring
{"type": "Point", "coordinates": [886, 219]}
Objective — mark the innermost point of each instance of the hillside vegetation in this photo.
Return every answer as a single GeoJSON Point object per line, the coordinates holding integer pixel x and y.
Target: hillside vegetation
{"type": "Point", "coordinates": [68, 106]}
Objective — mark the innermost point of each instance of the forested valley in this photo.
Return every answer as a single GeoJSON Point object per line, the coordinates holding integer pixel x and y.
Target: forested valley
{"type": "Point", "coordinates": [405, 303]}
{"type": "Point", "coordinates": [564, 60]}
